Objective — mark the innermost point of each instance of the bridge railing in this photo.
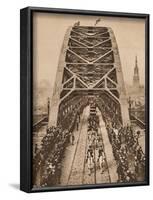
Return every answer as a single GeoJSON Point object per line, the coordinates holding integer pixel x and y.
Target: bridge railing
{"type": "Point", "coordinates": [137, 121]}
{"type": "Point", "coordinates": [39, 123]}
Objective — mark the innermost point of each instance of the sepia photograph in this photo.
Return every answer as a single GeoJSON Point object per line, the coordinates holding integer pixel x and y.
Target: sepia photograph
{"type": "Point", "coordinates": [89, 104]}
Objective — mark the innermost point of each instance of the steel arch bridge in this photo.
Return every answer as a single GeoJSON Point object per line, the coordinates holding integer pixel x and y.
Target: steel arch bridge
{"type": "Point", "coordinates": [89, 65]}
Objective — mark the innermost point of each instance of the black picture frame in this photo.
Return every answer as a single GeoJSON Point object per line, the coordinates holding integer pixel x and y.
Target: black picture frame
{"type": "Point", "coordinates": [26, 99]}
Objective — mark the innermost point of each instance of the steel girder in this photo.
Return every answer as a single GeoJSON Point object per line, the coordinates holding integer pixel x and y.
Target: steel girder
{"type": "Point", "coordinates": [89, 61]}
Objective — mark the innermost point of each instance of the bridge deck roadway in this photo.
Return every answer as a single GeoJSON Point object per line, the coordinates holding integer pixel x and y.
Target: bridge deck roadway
{"type": "Point", "coordinates": [74, 166]}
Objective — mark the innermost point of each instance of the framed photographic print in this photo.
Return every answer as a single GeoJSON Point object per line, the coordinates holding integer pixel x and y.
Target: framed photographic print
{"type": "Point", "coordinates": [84, 99]}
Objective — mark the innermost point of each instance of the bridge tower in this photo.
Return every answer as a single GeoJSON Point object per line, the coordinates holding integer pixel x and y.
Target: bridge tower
{"type": "Point", "coordinates": [89, 64]}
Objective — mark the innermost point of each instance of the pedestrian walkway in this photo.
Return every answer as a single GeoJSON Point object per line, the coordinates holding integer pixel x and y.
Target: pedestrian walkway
{"type": "Point", "coordinates": [96, 177]}
{"type": "Point", "coordinates": [111, 163]}
{"type": "Point", "coordinates": [73, 162]}
{"type": "Point", "coordinates": [74, 167]}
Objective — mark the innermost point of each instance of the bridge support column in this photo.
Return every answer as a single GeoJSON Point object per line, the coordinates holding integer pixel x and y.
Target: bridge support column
{"type": "Point", "coordinates": [121, 85]}
{"type": "Point", "coordinates": [124, 110]}
{"type": "Point", "coordinates": [53, 114]}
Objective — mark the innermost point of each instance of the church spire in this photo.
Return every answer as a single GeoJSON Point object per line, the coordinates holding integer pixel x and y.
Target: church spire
{"type": "Point", "coordinates": [136, 74]}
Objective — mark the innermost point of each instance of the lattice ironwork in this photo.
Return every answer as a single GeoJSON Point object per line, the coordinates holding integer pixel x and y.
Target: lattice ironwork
{"type": "Point", "coordinates": [89, 61]}
{"type": "Point", "coordinates": [89, 65]}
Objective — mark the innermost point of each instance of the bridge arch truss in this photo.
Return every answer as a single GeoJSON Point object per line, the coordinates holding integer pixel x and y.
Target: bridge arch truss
{"type": "Point", "coordinates": [89, 65]}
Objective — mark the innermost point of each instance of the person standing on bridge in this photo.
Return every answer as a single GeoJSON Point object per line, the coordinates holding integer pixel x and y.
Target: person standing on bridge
{"type": "Point", "coordinates": [77, 123]}
{"type": "Point", "coordinates": [72, 138]}
{"type": "Point", "coordinates": [137, 136]}
{"type": "Point", "coordinates": [78, 116]}
{"type": "Point", "coordinates": [36, 149]}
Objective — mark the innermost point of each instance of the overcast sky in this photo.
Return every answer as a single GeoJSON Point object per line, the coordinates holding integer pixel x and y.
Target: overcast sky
{"type": "Point", "coordinates": [49, 31]}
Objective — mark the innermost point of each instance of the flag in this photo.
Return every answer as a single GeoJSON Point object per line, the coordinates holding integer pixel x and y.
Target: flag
{"type": "Point", "coordinates": [77, 23]}
{"type": "Point", "coordinates": [97, 21]}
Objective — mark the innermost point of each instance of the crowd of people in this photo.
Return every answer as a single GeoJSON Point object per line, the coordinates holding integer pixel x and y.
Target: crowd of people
{"type": "Point", "coordinates": [47, 161]}
{"type": "Point", "coordinates": [95, 155]}
{"type": "Point", "coordinates": [128, 154]}
{"type": "Point", "coordinates": [53, 144]}
{"type": "Point", "coordinates": [57, 145]}
{"type": "Point", "coordinates": [127, 151]}
{"type": "Point", "coordinates": [69, 110]}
